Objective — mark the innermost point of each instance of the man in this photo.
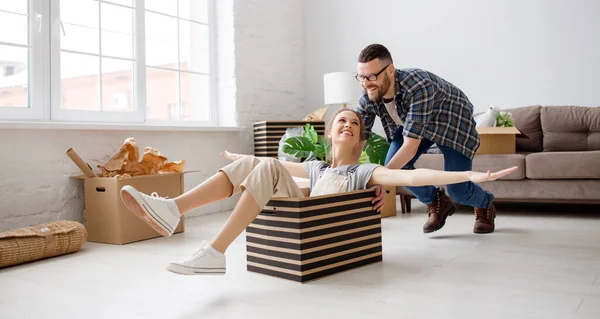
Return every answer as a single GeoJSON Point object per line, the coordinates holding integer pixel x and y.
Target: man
{"type": "Point", "coordinates": [419, 109]}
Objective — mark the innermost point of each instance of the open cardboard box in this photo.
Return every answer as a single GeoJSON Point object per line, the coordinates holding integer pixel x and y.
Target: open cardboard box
{"type": "Point", "coordinates": [303, 239]}
{"type": "Point", "coordinates": [107, 218]}
{"type": "Point", "coordinates": [389, 206]}
{"type": "Point", "coordinates": [389, 202]}
{"type": "Point", "coordinates": [498, 140]}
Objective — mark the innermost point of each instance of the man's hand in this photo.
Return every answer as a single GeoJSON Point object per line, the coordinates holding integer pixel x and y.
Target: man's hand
{"type": "Point", "coordinates": [407, 151]}
{"type": "Point", "coordinates": [232, 156]}
{"type": "Point", "coordinates": [378, 200]}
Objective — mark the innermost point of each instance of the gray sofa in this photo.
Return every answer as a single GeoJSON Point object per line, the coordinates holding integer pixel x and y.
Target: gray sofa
{"type": "Point", "coordinates": [558, 159]}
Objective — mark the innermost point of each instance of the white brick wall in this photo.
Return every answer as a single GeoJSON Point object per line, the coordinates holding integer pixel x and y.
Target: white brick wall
{"type": "Point", "coordinates": [35, 171]}
{"type": "Point", "coordinates": [269, 46]}
{"type": "Point", "coordinates": [260, 48]}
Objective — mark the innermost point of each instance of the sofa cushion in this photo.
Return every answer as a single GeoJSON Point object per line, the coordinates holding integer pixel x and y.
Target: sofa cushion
{"type": "Point", "coordinates": [537, 190]}
{"type": "Point", "coordinates": [563, 165]}
{"type": "Point", "coordinates": [481, 163]}
{"type": "Point", "coordinates": [548, 190]}
{"type": "Point", "coordinates": [571, 128]}
{"type": "Point", "coordinates": [527, 120]}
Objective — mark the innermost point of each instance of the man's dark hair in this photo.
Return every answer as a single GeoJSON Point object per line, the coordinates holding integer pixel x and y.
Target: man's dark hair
{"type": "Point", "coordinates": [374, 51]}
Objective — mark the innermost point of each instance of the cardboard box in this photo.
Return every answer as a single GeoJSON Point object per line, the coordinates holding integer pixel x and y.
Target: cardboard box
{"type": "Point", "coordinates": [107, 218]}
{"type": "Point", "coordinates": [267, 135]}
{"type": "Point", "coordinates": [497, 140]}
{"type": "Point", "coordinates": [303, 239]}
{"type": "Point", "coordinates": [389, 206]}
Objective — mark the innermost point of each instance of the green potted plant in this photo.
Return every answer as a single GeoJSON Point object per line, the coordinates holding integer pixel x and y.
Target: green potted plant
{"type": "Point", "coordinates": [504, 119]}
{"type": "Point", "coordinates": [311, 146]}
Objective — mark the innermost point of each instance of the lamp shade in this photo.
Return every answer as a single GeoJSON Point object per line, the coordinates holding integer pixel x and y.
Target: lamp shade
{"type": "Point", "coordinates": [340, 88]}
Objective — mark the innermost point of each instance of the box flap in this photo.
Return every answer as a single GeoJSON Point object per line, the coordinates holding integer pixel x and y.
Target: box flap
{"type": "Point", "coordinates": [140, 176]}
{"type": "Point", "coordinates": [82, 177]}
{"type": "Point", "coordinates": [498, 130]}
{"type": "Point", "coordinates": [323, 196]}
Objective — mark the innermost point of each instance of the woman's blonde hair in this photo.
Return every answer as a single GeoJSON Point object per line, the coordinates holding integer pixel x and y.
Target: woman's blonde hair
{"type": "Point", "coordinates": [361, 127]}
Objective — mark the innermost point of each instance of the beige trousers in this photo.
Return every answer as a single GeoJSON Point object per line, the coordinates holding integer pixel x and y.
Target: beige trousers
{"type": "Point", "coordinates": [263, 179]}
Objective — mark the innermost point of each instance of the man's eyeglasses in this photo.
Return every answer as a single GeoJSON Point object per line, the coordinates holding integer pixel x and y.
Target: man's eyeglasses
{"type": "Point", "coordinates": [370, 77]}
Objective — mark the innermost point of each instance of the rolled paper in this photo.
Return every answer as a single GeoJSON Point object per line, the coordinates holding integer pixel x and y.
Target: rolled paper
{"type": "Point", "coordinates": [83, 166]}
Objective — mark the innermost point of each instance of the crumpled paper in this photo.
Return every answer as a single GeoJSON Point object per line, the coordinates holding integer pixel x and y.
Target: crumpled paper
{"type": "Point", "coordinates": [318, 115]}
{"type": "Point", "coordinates": [126, 162]}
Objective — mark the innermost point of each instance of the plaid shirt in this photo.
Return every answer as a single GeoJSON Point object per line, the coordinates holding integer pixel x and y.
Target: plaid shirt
{"type": "Point", "coordinates": [430, 108]}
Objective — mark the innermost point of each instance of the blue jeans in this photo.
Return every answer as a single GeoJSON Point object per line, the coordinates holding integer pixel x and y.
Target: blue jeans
{"type": "Point", "coordinates": [467, 193]}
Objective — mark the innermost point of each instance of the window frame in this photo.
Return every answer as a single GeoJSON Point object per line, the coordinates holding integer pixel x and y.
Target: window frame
{"type": "Point", "coordinates": [66, 115]}
{"type": "Point", "coordinates": [213, 108]}
{"type": "Point", "coordinates": [45, 81]}
{"type": "Point", "coordinates": [37, 66]}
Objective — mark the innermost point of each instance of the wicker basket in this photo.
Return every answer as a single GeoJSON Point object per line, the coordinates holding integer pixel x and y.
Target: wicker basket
{"type": "Point", "coordinates": [40, 241]}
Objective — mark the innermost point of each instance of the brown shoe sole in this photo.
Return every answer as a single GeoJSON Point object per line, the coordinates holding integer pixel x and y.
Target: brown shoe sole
{"type": "Point", "coordinates": [482, 231]}
{"type": "Point", "coordinates": [450, 212]}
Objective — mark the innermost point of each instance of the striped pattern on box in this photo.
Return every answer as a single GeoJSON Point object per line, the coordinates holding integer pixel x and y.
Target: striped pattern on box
{"type": "Point", "coordinates": [302, 239]}
{"type": "Point", "coordinates": [267, 135]}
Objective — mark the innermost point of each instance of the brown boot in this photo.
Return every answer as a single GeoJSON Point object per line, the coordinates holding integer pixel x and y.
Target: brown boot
{"type": "Point", "coordinates": [441, 207]}
{"type": "Point", "coordinates": [484, 219]}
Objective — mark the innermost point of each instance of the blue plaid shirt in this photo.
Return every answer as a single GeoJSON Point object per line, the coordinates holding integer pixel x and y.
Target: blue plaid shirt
{"type": "Point", "coordinates": [430, 108]}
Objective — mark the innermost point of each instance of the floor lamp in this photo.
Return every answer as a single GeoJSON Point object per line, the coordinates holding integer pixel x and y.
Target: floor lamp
{"type": "Point", "coordinates": [340, 88]}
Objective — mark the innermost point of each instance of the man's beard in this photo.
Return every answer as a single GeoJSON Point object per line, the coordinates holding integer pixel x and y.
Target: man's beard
{"type": "Point", "coordinates": [377, 96]}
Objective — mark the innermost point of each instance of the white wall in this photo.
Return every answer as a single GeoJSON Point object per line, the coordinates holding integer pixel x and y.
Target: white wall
{"type": "Point", "coordinates": [260, 76]}
{"type": "Point", "coordinates": [507, 53]}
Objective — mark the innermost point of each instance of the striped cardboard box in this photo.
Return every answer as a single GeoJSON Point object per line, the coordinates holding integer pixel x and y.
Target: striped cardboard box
{"type": "Point", "coordinates": [267, 135]}
{"type": "Point", "coordinates": [302, 239]}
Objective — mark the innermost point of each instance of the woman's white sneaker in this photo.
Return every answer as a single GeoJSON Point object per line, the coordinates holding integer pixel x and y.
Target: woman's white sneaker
{"type": "Point", "coordinates": [158, 212]}
{"type": "Point", "coordinates": [204, 261]}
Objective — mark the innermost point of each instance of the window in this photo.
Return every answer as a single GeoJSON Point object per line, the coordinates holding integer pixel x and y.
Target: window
{"type": "Point", "coordinates": [177, 58]}
{"type": "Point", "coordinates": [128, 61]}
{"type": "Point", "coordinates": [94, 60]}
{"type": "Point", "coordinates": [21, 54]}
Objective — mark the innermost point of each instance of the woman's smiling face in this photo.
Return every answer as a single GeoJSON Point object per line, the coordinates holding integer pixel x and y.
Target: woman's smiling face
{"type": "Point", "coordinates": [346, 128]}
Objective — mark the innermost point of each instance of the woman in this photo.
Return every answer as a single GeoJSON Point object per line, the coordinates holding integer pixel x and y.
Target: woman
{"type": "Point", "coordinates": [260, 179]}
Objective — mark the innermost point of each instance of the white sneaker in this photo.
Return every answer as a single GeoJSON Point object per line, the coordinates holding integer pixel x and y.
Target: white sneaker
{"type": "Point", "coordinates": [201, 262]}
{"type": "Point", "coordinates": [154, 210]}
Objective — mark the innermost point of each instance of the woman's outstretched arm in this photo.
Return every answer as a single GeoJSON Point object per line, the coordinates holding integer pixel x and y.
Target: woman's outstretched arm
{"type": "Point", "coordinates": [424, 177]}
{"type": "Point", "coordinates": [295, 169]}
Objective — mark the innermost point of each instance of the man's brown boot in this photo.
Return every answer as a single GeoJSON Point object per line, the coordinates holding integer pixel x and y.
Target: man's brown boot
{"type": "Point", "coordinates": [484, 219]}
{"type": "Point", "coordinates": [441, 207]}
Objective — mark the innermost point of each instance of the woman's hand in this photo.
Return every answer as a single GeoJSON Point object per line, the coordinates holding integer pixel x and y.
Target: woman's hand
{"type": "Point", "coordinates": [478, 177]}
{"type": "Point", "coordinates": [232, 156]}
{"type": "Point", "coordinates": [378, 201]}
